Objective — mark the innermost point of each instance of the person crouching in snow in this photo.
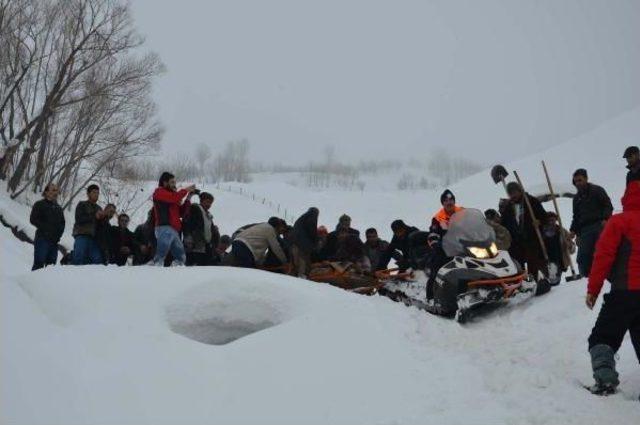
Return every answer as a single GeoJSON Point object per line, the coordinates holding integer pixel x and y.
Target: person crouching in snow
{"type": "Point", "coordinates": [617, 259]}
{"type": "Point", "coordinates": [168, 208]}
{"type": "Point", "coordinates": [249, 248]}
{"type": "Point", "coordinates": [559, 244]}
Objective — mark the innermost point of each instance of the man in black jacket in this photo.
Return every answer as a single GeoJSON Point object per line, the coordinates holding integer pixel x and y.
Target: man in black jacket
{"type": "Point", "coordinates": [48, 218]}
{"type": "Point", "coordinates": [336, 238]}
{"type": "Point", "coordinates": [400, 248]}
{"type": "Point", "coordinates": [90, 220]}
{"type": "Point", "coordinates": [376, 248]}
{"type": "Point", "coordinates": [122, 241]}
{"type": "Point", "coordinates": [525, 246]}
{"type": "Point", "coordinates": [144, 241]}
{"type": "Point", "coordinates": [591, 209]}
{"type": "Point", "coordinates": [304, 239]}
{"type": "Point", "coordinates": [200, 234]}
{"type": "Point", "coordinates": [632, 155]}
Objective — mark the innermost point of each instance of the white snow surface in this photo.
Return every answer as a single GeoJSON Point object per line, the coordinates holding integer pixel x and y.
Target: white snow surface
{"type": "Point", "coordinates": [144, 345]}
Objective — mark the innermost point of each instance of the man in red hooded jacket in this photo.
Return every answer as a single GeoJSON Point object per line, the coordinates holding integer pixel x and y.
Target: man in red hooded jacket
{"type": "Point", "coordinates": [168, 209]}
{"type": "Point", "coordinates": [617, 259]}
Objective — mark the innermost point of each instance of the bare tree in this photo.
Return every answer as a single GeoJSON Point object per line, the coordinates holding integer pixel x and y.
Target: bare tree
{"type": "Point", "coordinates": [75, 93]}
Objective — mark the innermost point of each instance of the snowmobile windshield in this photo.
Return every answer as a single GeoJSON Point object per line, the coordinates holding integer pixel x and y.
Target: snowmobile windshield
{"type": "Point", "coordinates": [467, 228]}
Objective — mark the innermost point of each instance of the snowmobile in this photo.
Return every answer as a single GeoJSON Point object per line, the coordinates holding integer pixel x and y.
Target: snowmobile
{"type": "Point", "coordinates": [477, 274]}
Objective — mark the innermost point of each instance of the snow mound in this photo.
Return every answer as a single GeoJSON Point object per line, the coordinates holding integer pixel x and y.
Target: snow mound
{"type": "Point", "coordinates": [206, 315]}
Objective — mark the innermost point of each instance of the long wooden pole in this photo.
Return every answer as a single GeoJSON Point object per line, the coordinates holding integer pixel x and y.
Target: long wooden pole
{"type": "Point", "coordinates": [555, 205]}
{"type": "Point", "coordinates": [534, 220]}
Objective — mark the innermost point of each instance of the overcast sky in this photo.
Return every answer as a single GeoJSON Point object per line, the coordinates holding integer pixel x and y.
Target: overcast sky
{"type": "Point", "coordinates": [490, 79]}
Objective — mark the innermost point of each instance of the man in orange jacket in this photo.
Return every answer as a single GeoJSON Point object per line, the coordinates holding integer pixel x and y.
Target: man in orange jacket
{"type": "Point", "coordinates": [617, 259]}
{"type": "Point", "coordinates": [168, 209]}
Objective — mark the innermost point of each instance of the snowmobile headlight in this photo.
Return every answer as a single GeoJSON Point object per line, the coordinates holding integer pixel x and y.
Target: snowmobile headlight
{"type": "Point", "coordinates": [483, 253]}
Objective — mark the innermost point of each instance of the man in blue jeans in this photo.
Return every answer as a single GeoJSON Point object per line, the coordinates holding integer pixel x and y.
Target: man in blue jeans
{"type": "Point", "coordinates": [168, 210]}
{"type": "Point", "coordinates": [48, 218]}
{"type": "Point", "coordinates": [89, 215]}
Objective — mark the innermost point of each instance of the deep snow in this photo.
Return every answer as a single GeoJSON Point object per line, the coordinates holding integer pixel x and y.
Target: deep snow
{"type": "Point", "coordinates": [216, 345]}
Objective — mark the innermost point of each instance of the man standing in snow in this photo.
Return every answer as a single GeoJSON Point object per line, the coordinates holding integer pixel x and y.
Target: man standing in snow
{"type": "Point", "coordinates": [304, 239]}
{"type": "Point", "coordinates": [249, 249]}
{"type": "Point", "coordinates": [617, 259]}
{"type": "Point", "coordinates": [632, 155]}
{"type": "Point", "coordinates": [200, 234]}
{"type": "Point", "coordinates": [168, 209]}
{"type": "Point", "coordinates": [525, 246]}
{"type": "Point", "coordinates": [48, 218]}
{"type": "Point", "coordinates": [89, 218]}
{"type": "Point", "coordinates": [591, 209]}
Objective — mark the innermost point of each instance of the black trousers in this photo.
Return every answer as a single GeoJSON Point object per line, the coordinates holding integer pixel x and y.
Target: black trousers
{"type": "Point", "coordinates": [587, 246]}
{"type": "Point", "coordinates": [242, 255]}
{"type": "Point", "coordinates": [620, 313]}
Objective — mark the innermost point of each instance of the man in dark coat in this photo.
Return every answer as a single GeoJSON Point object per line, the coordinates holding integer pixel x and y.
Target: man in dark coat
{"type": "Point", "coordinates": [304, 239]}
{"type": "Point", "coordinates": [617, 259]}
{"type": "Point", "coordinates": [337, 237]}
{"type": "Point", "coordinates": [376, 248]}
{"type": "Point", "coordinates": [632, 155]}
{"type": "Point", "coordinates": [591, 209]}
{"type": "Point", "coordinates": [89, 218]}
{"type": "Point", "coordinates": [104, 231]}
{"type": "Point", "coordinates": [144, 241]}
{"type": "Point", "coordinates": [400, 248]}
{"type": "Point", "coordinates": [48, 218]}
{"type": "Point", "coordinates": [122, 241]}
{"type": "Point", "coordinates": [200, 234]}
{"type": "Point", "coordinates": [525, 246]}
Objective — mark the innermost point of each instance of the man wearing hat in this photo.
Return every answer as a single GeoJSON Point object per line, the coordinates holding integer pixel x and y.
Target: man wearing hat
{"type": "Point", "coordinates": [632, 155]}
{"type": "Point", "coordinates": [440, 226]}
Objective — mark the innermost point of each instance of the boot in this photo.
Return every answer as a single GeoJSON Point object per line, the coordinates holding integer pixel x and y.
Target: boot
{"type": "Point", "coordinates": [604, 369]}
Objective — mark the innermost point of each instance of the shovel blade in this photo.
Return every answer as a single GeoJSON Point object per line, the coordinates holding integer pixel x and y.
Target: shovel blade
{"type": "Point", "coordinates": [573, 278]}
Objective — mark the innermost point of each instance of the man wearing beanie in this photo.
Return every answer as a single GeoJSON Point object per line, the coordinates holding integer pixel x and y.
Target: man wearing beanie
{"type": "Point", "coordinates": [438, 228]}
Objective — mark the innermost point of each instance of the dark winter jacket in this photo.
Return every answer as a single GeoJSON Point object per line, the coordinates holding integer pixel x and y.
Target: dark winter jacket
{"type": "Point", "coordinates": [333, 243]}
{"type": "Point", "coordinates": [617, 256]}
{"type": "Point", "coordinates": [194, 230]}
{"type": "Point", "coordinates": [169, 208]}
{"type": "Point", "coordinates": [590, 206]}
{"type": "Point", "coordinates": [48, 218]}
{"type": "Point", "coordinates": [522, 229]}
{"type": "Point", "coordinates": [376, 254]}
{"type": "Point", "coordinates": [400, 248]}
{"type": "Point", "coordinates": [633, 174]}
{"type": "Point", "coordinates": [305, 231]}
{"type": "Point", "coordinates": [118, 238]}
{"type": "Point", "coordinates": [144, 235]}
{"type": "Point", "coordinates": [86, 220]}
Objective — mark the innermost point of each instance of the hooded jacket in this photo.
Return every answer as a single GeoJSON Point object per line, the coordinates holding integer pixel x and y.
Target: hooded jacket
{"type": "Point", "coordinates": [617, 256]}
{"type": "Point", "coordinates": [305, 231]}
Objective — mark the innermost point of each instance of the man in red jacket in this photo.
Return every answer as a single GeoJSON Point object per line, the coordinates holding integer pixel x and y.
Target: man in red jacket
{"type": "Point", "coordinates": [168, 208]}
{"type": "Point", "coordinates": [617, 259]}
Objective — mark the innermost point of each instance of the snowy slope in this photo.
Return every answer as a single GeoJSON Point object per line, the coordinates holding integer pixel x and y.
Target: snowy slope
{"type": "Point", "coordinates": [142, 345]}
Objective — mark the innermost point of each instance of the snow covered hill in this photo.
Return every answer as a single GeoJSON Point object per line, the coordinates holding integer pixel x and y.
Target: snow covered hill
{"type": "Point", "coordinates": [96, 345]}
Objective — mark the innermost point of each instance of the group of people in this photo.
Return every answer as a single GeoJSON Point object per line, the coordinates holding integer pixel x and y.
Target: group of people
{"type": "Point", "coordinates": [180, 232]}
